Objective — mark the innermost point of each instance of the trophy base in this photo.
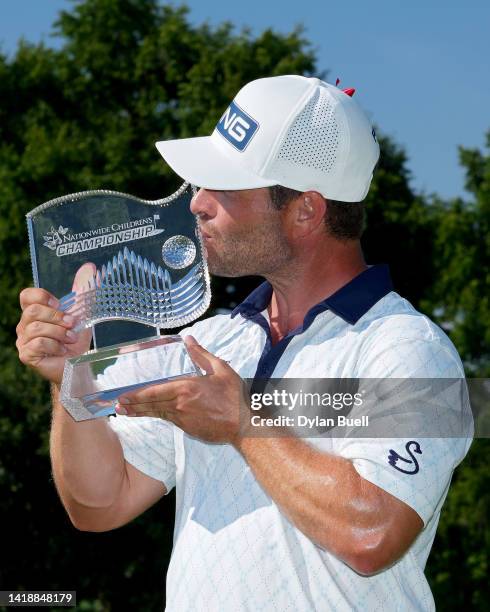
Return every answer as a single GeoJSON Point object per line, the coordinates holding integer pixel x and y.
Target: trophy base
{"type": "Point", "coordinates": [92, 382]}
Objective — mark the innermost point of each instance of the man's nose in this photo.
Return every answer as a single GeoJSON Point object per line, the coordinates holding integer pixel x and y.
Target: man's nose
{"type": "Point", "coordinates": [202, 204]}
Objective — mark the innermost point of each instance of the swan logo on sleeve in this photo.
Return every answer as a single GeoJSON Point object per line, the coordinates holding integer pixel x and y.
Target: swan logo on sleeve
{"type": "Point", "coordinates": [237, 126]}
{"type": "Point", "coordinates": [402, 464]}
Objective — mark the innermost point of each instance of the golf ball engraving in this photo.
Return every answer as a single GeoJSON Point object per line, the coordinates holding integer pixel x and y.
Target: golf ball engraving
{"type": "Point", "coordinates": [178, 252]}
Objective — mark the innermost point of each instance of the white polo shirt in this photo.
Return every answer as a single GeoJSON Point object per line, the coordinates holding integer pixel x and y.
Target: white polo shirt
{"type": "Point", "coordinates": [233, 547]}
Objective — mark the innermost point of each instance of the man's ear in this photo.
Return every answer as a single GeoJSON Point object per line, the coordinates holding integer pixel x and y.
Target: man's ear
{"type": "Point", "coordinates": [309, 208]}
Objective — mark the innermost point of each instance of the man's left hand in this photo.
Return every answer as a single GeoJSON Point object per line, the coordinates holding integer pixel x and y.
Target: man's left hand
{"type": "Point", "coordinates": [209, 407]}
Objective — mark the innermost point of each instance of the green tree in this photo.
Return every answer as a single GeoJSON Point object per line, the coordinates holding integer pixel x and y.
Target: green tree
{"type": "Point", "coordinates": [401, 226]}
{"type": "Point", "coordinates": [460, 296]}
{"type": "Point", "coordinates": [459, 300]}
{"type": "Point", "coordinates": [458, 565]}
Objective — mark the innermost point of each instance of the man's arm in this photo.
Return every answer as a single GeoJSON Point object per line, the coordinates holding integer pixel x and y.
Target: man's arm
{"type": "Point", "coordinates": [322, 494]}
{"type": "Point", "coordinates": [325, 497]}
{"type": "Point", "coordinates": [98, 488]}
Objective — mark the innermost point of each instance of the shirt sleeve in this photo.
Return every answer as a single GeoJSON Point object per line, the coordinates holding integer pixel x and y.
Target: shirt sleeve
{"type": "Point", "coordinates": [417, 472]}
{"type": "Point", "coordinates": [148, 445]}
{"type": "Point", "coordinates": [421, 436]}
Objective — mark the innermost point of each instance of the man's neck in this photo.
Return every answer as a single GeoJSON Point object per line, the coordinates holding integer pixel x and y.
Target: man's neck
{"type": "Point", "coordinates": [296, 291]}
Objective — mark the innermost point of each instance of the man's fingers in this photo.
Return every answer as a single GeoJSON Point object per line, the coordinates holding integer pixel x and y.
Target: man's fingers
{"type": "Point", "coordinates": [190, 341]}
{"type": "Point", "coordinates": [164, 410]}
{"type": "Point", "coordinates": [152, 410]}
{"type": "Point", "coordinates": [34, 295]}
{"type": "Point", "coordinates": [203, 358]}
{"type": "Point", "coordinates": [37, 349]}
{"type": "Point", "coordinates": [46, 314]}
{"type": "Point", "coordinates": [38, 329]}
{"type": "Point", "coordinates": [158, 410]}
{"type": "Point", "coordinates": [166, 392]}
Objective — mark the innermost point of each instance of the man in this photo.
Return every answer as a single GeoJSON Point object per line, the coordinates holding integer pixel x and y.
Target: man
{"type": "Point", "coordinates": [271, 523]}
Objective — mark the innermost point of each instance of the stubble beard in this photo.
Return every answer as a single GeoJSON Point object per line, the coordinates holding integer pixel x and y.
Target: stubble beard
{"type": "Point", "coordinates": [255, 252]}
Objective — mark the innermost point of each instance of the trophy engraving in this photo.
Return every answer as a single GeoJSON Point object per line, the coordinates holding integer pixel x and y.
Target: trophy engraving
{"type": "Point", "coordinates": [139, 267]}
{"type": "Point", "coordinates": [136, 290]}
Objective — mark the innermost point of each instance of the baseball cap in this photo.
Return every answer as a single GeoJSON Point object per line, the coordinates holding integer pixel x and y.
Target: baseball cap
{"type": "Point", "coordinates": [294, 131]}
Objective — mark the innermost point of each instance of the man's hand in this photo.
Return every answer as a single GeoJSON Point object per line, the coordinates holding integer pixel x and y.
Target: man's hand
{"type": "Point", "coordinates": [44, 335]}
{"type": "Point", "coordinates": [207, 407]}
{"type": "Point", "coordinates": [45, 338]}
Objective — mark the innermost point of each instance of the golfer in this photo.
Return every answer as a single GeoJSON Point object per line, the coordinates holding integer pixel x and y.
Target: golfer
{"type": "Point", "coordinates": [266, 522]}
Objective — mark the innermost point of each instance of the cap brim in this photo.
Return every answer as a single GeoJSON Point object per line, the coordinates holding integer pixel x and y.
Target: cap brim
{"type": "Point", "coordinates": [199, 162]}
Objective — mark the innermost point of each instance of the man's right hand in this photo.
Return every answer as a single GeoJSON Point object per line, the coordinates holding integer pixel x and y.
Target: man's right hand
{"type": "Point", "coordinates": [44, 335]}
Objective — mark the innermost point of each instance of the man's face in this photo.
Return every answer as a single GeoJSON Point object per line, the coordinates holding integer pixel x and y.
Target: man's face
{"type": "Point", "coordinates": [242, 232]}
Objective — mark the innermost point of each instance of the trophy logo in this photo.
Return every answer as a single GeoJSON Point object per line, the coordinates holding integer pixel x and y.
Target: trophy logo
{"type": "Point", "coordinates": [54, 237]}
{"type": "Point", "coordinates": [127, 269]}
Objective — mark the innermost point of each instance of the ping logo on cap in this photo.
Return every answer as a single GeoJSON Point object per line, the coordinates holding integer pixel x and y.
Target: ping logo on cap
{"type": "Point", "coordinates": [237, 127]}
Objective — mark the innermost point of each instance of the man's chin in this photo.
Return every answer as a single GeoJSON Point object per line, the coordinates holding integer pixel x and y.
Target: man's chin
{"type": "Point", "coordinates": [226, 269]}
{"type": "Point", "coordinates": [225, 274]}
{"type": "Point", "coordinates": [222, 271]}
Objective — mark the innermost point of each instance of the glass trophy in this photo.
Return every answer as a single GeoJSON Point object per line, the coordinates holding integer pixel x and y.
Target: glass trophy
{"type": "Point", "coordinates": [126, 268]}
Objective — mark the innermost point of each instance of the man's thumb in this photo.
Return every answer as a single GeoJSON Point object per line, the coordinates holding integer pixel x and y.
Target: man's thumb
{"type": "Point", "coordinates": [203, 358]}
{"type": "Point", "coordinates": [191, 341]}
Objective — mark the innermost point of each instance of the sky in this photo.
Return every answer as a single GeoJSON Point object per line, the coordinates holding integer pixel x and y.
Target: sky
{"type": "Point", "coordinates": [420, 68]}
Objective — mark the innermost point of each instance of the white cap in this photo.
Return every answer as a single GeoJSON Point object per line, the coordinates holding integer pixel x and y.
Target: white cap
{"type": "Point", "coordinates": [293, 131]}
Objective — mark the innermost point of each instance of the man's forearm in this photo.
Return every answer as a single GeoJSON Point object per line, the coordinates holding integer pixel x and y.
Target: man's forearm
{"type": "Point", "coordinates": [324, 497]}
{"type": "Point", "coordinates": [87, 460]}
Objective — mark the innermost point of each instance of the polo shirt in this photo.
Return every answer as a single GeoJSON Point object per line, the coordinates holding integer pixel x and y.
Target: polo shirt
{"type": "Point", "coordinates": [233, 547]}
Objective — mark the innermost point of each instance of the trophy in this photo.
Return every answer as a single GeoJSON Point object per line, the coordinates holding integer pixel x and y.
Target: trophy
{"type": "Point", "coordinates": [126, 268]}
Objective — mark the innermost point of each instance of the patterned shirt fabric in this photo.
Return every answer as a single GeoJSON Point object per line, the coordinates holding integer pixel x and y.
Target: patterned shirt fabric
{"type": "Point", "coordinates": [233, 547]}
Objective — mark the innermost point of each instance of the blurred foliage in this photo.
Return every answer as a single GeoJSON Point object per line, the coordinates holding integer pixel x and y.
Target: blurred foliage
{"type": "Point", "coordinates": [460, 295]}
{"type": "Point", "coordinates": [458, 299]}
{"type": "Point", "coordinates": [85, 116]}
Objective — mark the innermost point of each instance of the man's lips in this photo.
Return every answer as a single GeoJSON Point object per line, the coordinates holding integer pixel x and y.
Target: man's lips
{"type": "Point", "coordinates": [206, 239]}
{"type": "Point", "coordinates": [205, 235]}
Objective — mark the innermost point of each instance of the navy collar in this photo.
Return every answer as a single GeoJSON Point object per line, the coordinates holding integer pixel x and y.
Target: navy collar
{"type": "Point", "coordinates": [350, 302]}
